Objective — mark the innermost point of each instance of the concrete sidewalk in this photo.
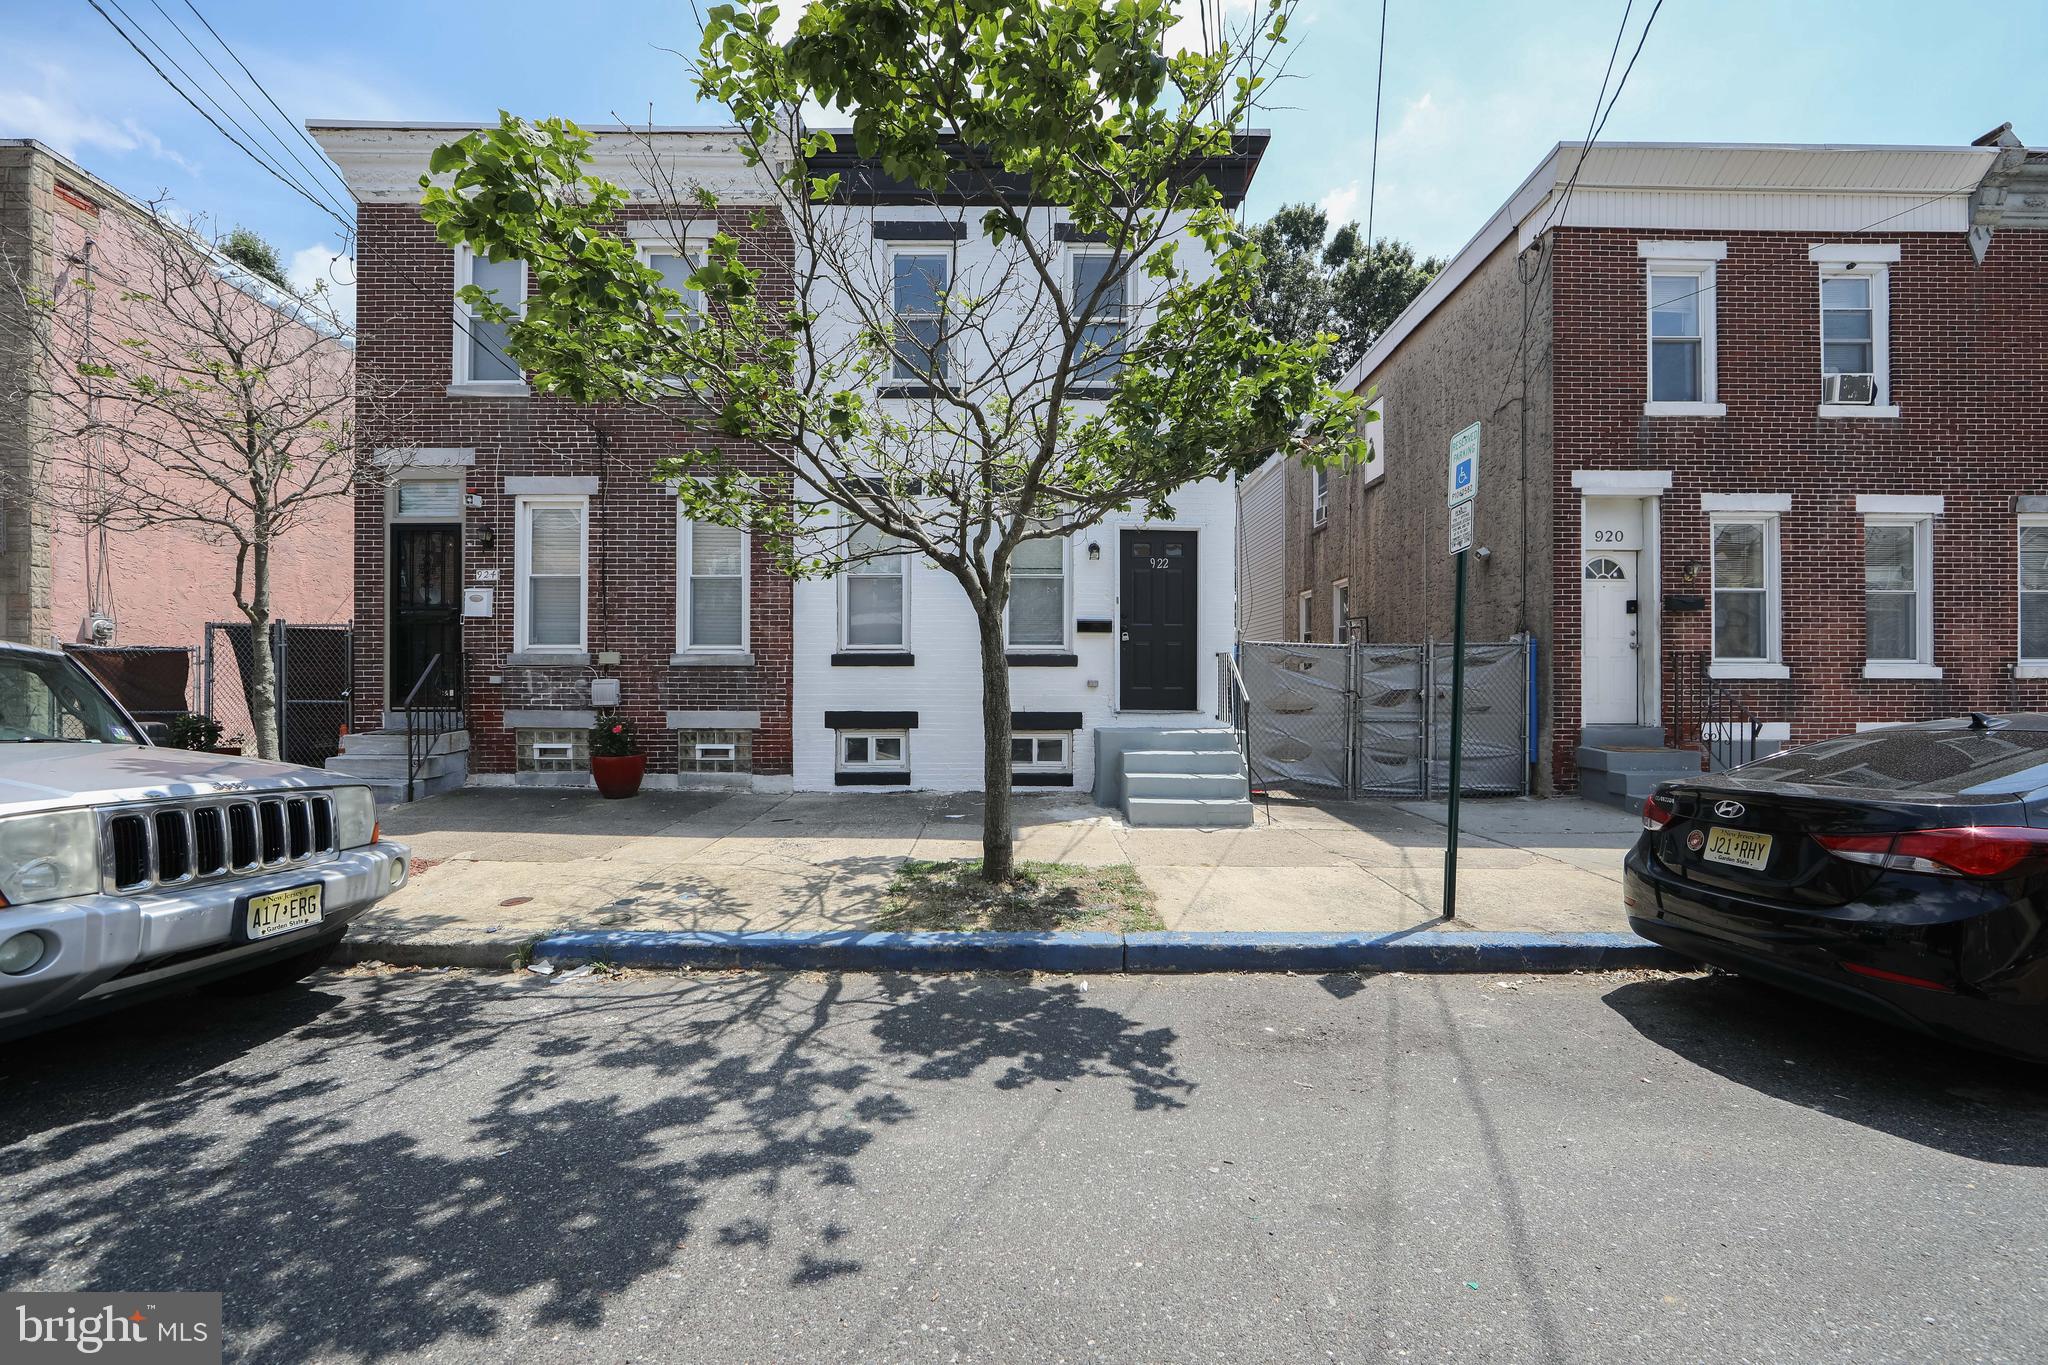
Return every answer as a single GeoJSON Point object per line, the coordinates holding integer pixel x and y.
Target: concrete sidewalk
{"type": "Point", "coordinates": [498, 866]}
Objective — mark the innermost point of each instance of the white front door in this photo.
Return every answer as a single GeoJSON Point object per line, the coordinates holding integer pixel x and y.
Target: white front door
{"type": "Point", "coordinates": [1607, 638]}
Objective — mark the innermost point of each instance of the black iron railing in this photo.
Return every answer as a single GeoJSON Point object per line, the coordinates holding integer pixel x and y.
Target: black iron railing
{"type": "Point", "coordinates": [1708, 716]}
{"type": "Point", "coordinates": [431, 709]}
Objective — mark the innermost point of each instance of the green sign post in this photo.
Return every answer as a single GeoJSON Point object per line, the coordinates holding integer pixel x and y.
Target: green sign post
{"type": "Point", "coordinates": [1463, 488]}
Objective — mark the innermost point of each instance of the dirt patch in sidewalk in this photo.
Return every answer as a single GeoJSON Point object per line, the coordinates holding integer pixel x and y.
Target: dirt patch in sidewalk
{"type": "Point", "coordinates": [952, 896]}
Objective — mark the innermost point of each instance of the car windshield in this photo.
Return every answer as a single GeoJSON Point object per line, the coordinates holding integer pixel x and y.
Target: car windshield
{"type": "Point", "coordinates": [45, 699]}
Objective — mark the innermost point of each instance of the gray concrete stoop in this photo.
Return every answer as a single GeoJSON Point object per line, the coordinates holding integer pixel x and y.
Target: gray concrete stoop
{"type": "Point", "coordinates": [1191, 778]}
{"type": "Point", "coordinates": [1618, 773]}
{"type": "Point", "coordinates": [378, 758]}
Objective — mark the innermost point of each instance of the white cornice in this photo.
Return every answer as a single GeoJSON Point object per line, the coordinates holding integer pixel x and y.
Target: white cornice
{"type": "Point", "coordinates": [382, 162]}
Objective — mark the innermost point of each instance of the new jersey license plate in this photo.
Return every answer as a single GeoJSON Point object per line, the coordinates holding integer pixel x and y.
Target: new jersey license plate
{"type": "Point", "coordinates": [1737, 847]}
{"type": "Point", "coordinates": [280, 912]}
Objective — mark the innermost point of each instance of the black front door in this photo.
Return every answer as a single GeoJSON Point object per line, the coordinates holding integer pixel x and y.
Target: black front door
{"type": "Point", "coordinates": [1157, 587]}
{"type": "Point", "coordinates": [426, 606]}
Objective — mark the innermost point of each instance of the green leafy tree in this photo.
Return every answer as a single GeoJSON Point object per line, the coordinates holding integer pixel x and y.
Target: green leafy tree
{"type": "Point", "coordinates": [249, 251]}
{"type": "Point", "coordinates": [1020, 404]}
{"type": "Point", "coordinates": [1312, 281]}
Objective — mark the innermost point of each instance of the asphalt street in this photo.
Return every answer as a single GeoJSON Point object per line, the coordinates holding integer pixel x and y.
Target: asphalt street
{"type": "Point", "coordinates": [440, 1166]}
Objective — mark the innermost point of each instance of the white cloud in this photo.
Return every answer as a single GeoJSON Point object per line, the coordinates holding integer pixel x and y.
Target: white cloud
{"type": "Point", "coordinates": [53, 112]}
{"type": "Point", "coordinates": [1204, 24]}
{"type": "Point", "coordinates": [326, 276]}
{"type": "Point", "coordinates": [1341, 204]}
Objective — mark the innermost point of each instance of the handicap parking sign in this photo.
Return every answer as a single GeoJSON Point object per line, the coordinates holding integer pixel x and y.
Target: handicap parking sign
{"type": "Point", "coordinates": [1464, 485]}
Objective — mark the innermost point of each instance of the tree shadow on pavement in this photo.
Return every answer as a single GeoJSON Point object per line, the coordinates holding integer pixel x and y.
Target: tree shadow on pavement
{"type": "Point", "coordinates": [1841, 1064]}
{"type": "Point", "coordinates": [383, 1164]}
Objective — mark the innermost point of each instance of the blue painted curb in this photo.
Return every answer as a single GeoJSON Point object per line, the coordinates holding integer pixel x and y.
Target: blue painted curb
{"type": "Point", "coordinates": [1436, 950]}
{"type": "Point", "coordinates": [841, 950]}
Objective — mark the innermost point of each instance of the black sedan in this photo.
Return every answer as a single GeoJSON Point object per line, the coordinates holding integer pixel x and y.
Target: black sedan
{"type": "Point", "coordinates": [1901, 872]}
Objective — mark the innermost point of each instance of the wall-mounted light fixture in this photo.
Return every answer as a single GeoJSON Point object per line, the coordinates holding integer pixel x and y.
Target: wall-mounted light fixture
{"type": "Point", "coordinates": [1094, 550]}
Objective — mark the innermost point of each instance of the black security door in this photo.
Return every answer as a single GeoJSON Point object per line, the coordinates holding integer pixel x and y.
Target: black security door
{"type": "Point", "coordinates": [426, 606]}
{"type": "Point", "coordinates": [1157, 588]}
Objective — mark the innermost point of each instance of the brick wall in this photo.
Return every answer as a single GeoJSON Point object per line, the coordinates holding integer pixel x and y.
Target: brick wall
{"type": "Point", "coordinates": [404, 302]}
{"type": "Point", "coordinates": [1969, 356]}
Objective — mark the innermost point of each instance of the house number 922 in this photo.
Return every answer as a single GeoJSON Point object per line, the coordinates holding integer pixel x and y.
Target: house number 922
{"type": "Point", "coordinates": [1159, 562]}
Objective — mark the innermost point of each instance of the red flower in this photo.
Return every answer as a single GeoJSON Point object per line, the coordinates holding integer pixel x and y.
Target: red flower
{"type": "Point", "coordinates": [618, 729]}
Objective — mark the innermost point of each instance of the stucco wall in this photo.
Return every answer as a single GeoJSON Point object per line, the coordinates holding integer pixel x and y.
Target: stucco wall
{"type": "Point", "coordinates": [944, 686]}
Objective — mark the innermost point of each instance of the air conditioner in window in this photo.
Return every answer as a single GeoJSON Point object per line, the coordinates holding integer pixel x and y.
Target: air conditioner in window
{"type": "Point", "coordinates": [1848, 388]}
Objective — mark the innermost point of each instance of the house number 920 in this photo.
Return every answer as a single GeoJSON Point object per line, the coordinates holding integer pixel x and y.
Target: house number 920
{"type": "Point", "coordinates": [1159, 562]}
{"type": "Point", "coordinates": [1609, 537]}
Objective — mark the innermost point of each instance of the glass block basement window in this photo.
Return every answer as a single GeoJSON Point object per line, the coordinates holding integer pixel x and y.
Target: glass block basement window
{"type": "Point", "coordinates": [554, 751]}
{"type": "Point", "coordinates": [714, 751]}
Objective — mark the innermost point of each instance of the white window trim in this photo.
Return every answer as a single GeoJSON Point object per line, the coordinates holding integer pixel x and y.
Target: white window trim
{"type": "Point", "coordinates": [460, 385]}
{"type": "Point", "coordinates": [1375, 433]}
{"type": "Point", "coordinates": [948, 361]}
{"type": "Point", "coordinates": [1066, 640]}
{"type": "Point", "coordinates": [2024, 667]}
{"type": "Point", "coordinates": [1319, 500]}
{"type": "Point", "coordinates": [425, 474]}
{"type": "Point", "coordinates": [1038, 765]}
{"type": "Point", "coordinates": [686, 532]}
{"type": "Point", "coordinates": [904, 562]}
{"type": "Point", "coordinates": [687, 240]}
{"type": "Point", "coordinates": [1923, 604]}
{"type": "Point", "coordinates": [1304, 617]}
{"type": "Point", "coordinates": [1340, 592]}
{"type": "Point", "coordinates": [1772, 665]}
{"type": "Point", "coordinates": [1075, 252]}
{"type": "Point", "coordinates": [522, 609]}
{"type": "Point", "coordinates": [1701, 268]}
{"type": "Point", "coordinates": [1622, 483]}
{"type": "Point", "coordinates": [870, 764]}
{"type": "Point", "coordinates": [1745, 502]}
{"type": "Point", "coordinates": [1879, 275]}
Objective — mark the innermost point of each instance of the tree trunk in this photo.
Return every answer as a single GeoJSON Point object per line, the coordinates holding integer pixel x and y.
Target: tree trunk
{"type": "Point", "coordinates": [260, 686]}
{"type": "Point", "coordinates": [998, 856]}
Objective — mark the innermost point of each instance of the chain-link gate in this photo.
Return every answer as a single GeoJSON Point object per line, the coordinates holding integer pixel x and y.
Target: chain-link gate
{"type": "Point", "coordinates": [314, 673]}
{"type": "Point", "coordinates": [1374, 719]}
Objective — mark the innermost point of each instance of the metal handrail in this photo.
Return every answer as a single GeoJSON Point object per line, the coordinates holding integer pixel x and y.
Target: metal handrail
{"type": "Point", "coordinates": [425, 720]}
{"type": "Point", "coordinates": [1710, 717]}
{"type": "Point", "coordinates": [1231, 678]}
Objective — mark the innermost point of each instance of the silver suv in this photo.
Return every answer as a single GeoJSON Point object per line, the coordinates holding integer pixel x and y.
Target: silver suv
{"type": "Point", "coordinates": [127, 869]}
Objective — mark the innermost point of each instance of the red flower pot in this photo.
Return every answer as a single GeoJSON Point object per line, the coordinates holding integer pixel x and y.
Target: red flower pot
{"type": "Point", "coordinates": [618, 777]}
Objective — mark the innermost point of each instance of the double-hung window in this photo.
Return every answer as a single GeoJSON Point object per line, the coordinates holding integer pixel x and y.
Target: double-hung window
{"type": "Point", "coordinates": [1038, 595]}
{"type": "Point", "coordinates": [874, 596]}
{"type": "Point", "coordinates": [1681, 283]}
{"type": "Point", "coordinates": [1340, 611]}
{"type": "Point", "coordinates": [1100, 303]}
{"type": "Point", "coordinates": [483, 349]}
{"type": "Point", "coordinates": [1855, 328]}
{"type": "Point", "coordinates": [1304, 617]}
{"type": "Point", "coordinates": [1898, 596]}
{"type": "Point", "coordinates": [711, 580]}
{"type": "Point", "coordinates": [2033, 551]}
{"type": "Point", "coordinates": [552, 554]}
{"type": "Point", "coordinates": [1745, 594]}
{"type": "Point", "coordinates": [1319, 482]}
{"type": "Point", "coordinates": [676, 259]}
{"type": "Point", "coordinates": [921, 281]}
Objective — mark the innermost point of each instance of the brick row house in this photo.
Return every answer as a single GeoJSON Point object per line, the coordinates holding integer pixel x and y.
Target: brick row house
{"type": "Point", "coordinates": [520, 540]}
{"type": "Point", "coordinates": [523, 536]}
{"type": "Point", "coordinates": [1763, 458]}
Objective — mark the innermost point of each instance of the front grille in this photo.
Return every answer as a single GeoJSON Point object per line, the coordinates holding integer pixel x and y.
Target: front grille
{"type": "Point", "coordinates": [169, 844]}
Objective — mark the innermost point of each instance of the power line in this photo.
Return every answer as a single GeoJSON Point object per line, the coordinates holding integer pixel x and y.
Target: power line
{"type": "Point", "coordinates": [1379, 84]}
{"type": "Point", "coordinates": [319, 152]}
{"type": "Point", "coordinates": [290, 183]}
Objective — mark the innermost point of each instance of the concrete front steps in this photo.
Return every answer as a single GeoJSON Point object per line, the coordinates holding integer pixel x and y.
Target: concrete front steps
{"type": "Point", "coordinates": [1182, 777]}
{"type": "Point", "coordinates": [378, 758]}
{"type": "Point", "coordinates": [1619, 765]}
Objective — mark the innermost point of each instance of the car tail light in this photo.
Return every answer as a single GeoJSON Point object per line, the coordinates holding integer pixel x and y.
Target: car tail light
{"type": "Point", "coordinates": [1972, 851]}
{"type": "Point", "coordinates": [1658, 811]}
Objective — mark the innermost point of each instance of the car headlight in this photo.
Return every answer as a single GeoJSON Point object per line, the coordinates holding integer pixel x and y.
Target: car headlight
{"type": "Point", "coordinates": [355, 816]}
{"type": "Point", "coordinates": [49, 856]}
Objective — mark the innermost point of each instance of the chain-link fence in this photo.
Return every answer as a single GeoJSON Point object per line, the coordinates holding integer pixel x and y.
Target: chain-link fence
{"type": "Point", "coordinates": [1374, 719]}
{"type": "Point", "coordinates": [152, 682]}
{"type": "Point", "coordinates": [314, 667]}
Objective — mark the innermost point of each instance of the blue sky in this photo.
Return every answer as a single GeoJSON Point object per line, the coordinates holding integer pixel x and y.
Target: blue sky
{"type": "Point", "coordinates": [1476, 90]}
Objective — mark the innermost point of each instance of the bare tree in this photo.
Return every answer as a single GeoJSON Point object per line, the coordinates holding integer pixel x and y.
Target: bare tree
{"type": "Point", "coordinates": [172, 388]}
